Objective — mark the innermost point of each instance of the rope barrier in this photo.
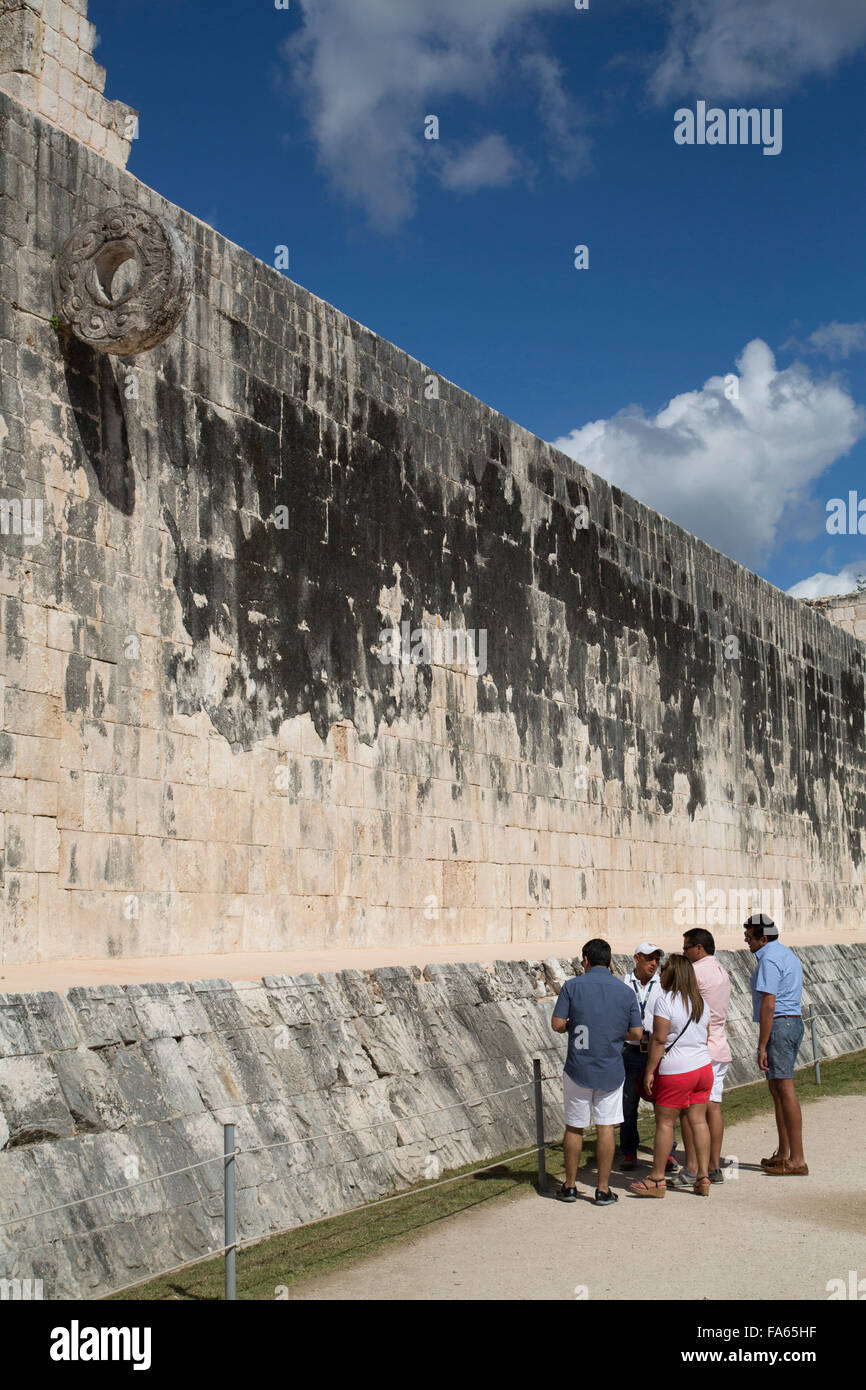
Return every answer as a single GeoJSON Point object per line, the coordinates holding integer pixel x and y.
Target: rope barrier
{"type": "Point", "coordinates": [259, 1148]}
{"type": "Point", "coordinates": [111, 1192]}
{"type": "Point", "coordinates": [317, 1221]}
{"type": "Point", "coordinates": [851, 1027]}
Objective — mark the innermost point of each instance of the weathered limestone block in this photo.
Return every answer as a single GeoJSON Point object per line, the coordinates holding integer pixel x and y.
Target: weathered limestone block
{"type": "Point", "coordinates": [223, 1006]}
{"type": "Point", "coordinates": [20, 40]}
{"type": "Point", "coordinates": [189, 1235]}
{"type": "Point", "coordinates": [32, 1101]}
{"type": "Point", "coordinates": [168, 1010]}
{"type": "Point", "coordinates": [256, 1002]}
{"type": "Point", "coordinates": [164, 1149]}
{"type": "Point", "coordinates": [335, 1058]}
{"type": "Point", "coordinates": [211, 1071]}
{"type": "Point", "coordinates": [54, 1026]}
{"type": "Point", "coordinates": [139, 1089]}
{"type": "Point", "coordinates": [17, 1028]}
{"type": "Point", "coordinates": [322, 998]}
{"type": "Point", "coordinates": [103, 1014]}
{"type": "Point", "coordinates": [286, 1001]}
{"type": "Point", "coordinates": [203, 1137]}
{"type": "Point", "coordinates": [390, 1046]}
{"type": "Point", "coordinates": [317, 1058]}
{"type": "Point", "coordinates": [173, 1076]}
{"type": "Point", "coordinates": [95, 1102]}
{"type": "Point", "coordinates": [250, 1059]}
{"type": "Point", "coordinates": [292, 1061]}
{"type": "Point", "coordinates": [362, 997]}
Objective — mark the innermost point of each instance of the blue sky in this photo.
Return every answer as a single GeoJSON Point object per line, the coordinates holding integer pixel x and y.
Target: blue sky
{"type": "Point", "coordinates": [712, 358]}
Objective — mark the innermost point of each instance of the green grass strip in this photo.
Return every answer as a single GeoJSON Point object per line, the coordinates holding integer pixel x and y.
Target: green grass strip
{"type": "Point", "coordinates": [281, 1261]}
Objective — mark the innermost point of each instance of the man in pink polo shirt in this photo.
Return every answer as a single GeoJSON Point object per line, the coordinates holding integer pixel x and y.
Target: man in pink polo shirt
{"type": "Point", "coordinates": [715, 986]}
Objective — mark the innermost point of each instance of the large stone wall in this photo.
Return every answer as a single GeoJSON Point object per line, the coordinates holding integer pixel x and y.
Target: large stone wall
{"type": "Point", "coordinates": [47, 64]}
{"type": "Point", "coordinates": [848, 611]}
{"type": "Point", "coordinates": [110, 1086]}
{"type": "Point", "coordinates": [203, 752]}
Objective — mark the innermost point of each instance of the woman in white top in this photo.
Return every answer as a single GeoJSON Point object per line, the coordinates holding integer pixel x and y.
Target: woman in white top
{"type": "Point", "coordinates": [679, 1073]}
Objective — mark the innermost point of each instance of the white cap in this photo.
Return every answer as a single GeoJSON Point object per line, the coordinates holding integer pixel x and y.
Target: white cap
{"type": "Point", "coordinates": [646, 948]}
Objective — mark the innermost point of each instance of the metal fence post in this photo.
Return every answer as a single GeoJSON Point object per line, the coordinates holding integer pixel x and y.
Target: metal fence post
{"type": "Point", "coordinates": [229, 1211]}
{"type": "Point", "coordinates": [814, 1026]}
{"type": "Point", "coordinates": [539, 1125]}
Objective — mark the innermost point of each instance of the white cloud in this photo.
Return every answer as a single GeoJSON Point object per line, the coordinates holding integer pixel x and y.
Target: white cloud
{"type": "Point", "coordinates": [752, 48]}
{"type": "Point", "coordinates": [728, 470]}
{"type": "Point", "coordinates": [834, 340]}
{"type": "Point", "coordinates": [489, 163]}
{"type": "Point", "coordinates": [822, 585]}
{"type": "Point", "coordinates": [370, 72]}
{"type": "Point", "coordinates": [568, 143]}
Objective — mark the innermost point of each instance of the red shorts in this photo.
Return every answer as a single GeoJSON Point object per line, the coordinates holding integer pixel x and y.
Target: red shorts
{"type": "Point", "coordinates": [679, 1090]}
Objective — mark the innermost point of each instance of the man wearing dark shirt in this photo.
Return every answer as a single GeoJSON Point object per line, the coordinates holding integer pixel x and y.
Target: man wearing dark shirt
{"type": "Point", "coordinates": [598, 1012]}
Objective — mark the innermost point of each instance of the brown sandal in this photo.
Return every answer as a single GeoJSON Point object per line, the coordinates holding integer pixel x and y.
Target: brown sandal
{"type": "Point", "coordinates": [786, 1169]}
{"type": "Point", "coordinates": [649, 1187]}
{"type": "Point", "coordinates": [701, 1187]}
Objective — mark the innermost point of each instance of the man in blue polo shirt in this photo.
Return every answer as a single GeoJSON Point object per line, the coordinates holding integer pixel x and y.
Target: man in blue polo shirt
{"type": "Point", "coordinates": [598, 1012]}
{"type": "Point", "coordinates": [777, 991]}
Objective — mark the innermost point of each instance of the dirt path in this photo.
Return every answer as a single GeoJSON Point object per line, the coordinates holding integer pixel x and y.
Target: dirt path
{"type": "Point", "coordinates": [753, 1237]}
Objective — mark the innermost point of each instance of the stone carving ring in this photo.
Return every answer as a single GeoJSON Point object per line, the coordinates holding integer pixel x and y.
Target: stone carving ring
{"type": "Point", "coordinates": [140, 316]}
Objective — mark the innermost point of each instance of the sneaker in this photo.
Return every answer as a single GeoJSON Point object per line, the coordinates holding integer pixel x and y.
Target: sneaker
{"type": "Point", "coordinates": [627, 1163]}
{"type": "Point", "coordinates": [566, 1194]}
{"type": "Point", "coordinates": [605, 1199]}
{"type": "Point", "coordinates": [670, 1165]}
{"type": "Point", "coordinates": [716, 1175]}
{"type": "Point", "coordinates": [685, 1178]}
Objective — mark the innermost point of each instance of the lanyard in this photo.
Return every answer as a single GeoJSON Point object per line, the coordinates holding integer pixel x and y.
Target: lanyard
{"type": "Point", "coordinates": [642, 1006]}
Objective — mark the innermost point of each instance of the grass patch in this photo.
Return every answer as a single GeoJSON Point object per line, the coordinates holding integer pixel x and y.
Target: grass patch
{"type": "Point", "coordinates": [333, 1245]}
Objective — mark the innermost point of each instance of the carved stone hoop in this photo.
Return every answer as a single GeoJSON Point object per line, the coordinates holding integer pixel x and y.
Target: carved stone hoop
{"type": "Point", "coordinates": [145, 313]}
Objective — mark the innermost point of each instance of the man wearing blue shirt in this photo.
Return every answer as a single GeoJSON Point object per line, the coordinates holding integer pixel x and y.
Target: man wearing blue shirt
{"type": "Point", "coordinates": [598, 1012]}
{"type": "Point", "coordinates": [777, 991]}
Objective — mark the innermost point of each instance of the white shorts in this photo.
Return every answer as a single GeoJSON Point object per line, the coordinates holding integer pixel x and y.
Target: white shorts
{"type": "Point", "coordinates": [583, 1106]}
{"type": "Point", "coordinates": [719, 1069]}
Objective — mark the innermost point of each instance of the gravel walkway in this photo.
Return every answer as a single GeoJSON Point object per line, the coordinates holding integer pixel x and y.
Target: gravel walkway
{"type": "Point", "coordinates": [754, 1237]}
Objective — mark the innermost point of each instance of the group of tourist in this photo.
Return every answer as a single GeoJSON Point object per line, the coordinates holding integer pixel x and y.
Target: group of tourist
{"type": "Point", "coordinates": [659, 1034]}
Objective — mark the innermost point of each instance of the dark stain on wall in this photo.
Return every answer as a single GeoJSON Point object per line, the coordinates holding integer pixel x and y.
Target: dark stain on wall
{"type": "Point", "coordinates": [97, 405]}
{"type": "Point", "coordinates": [299, 601]}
